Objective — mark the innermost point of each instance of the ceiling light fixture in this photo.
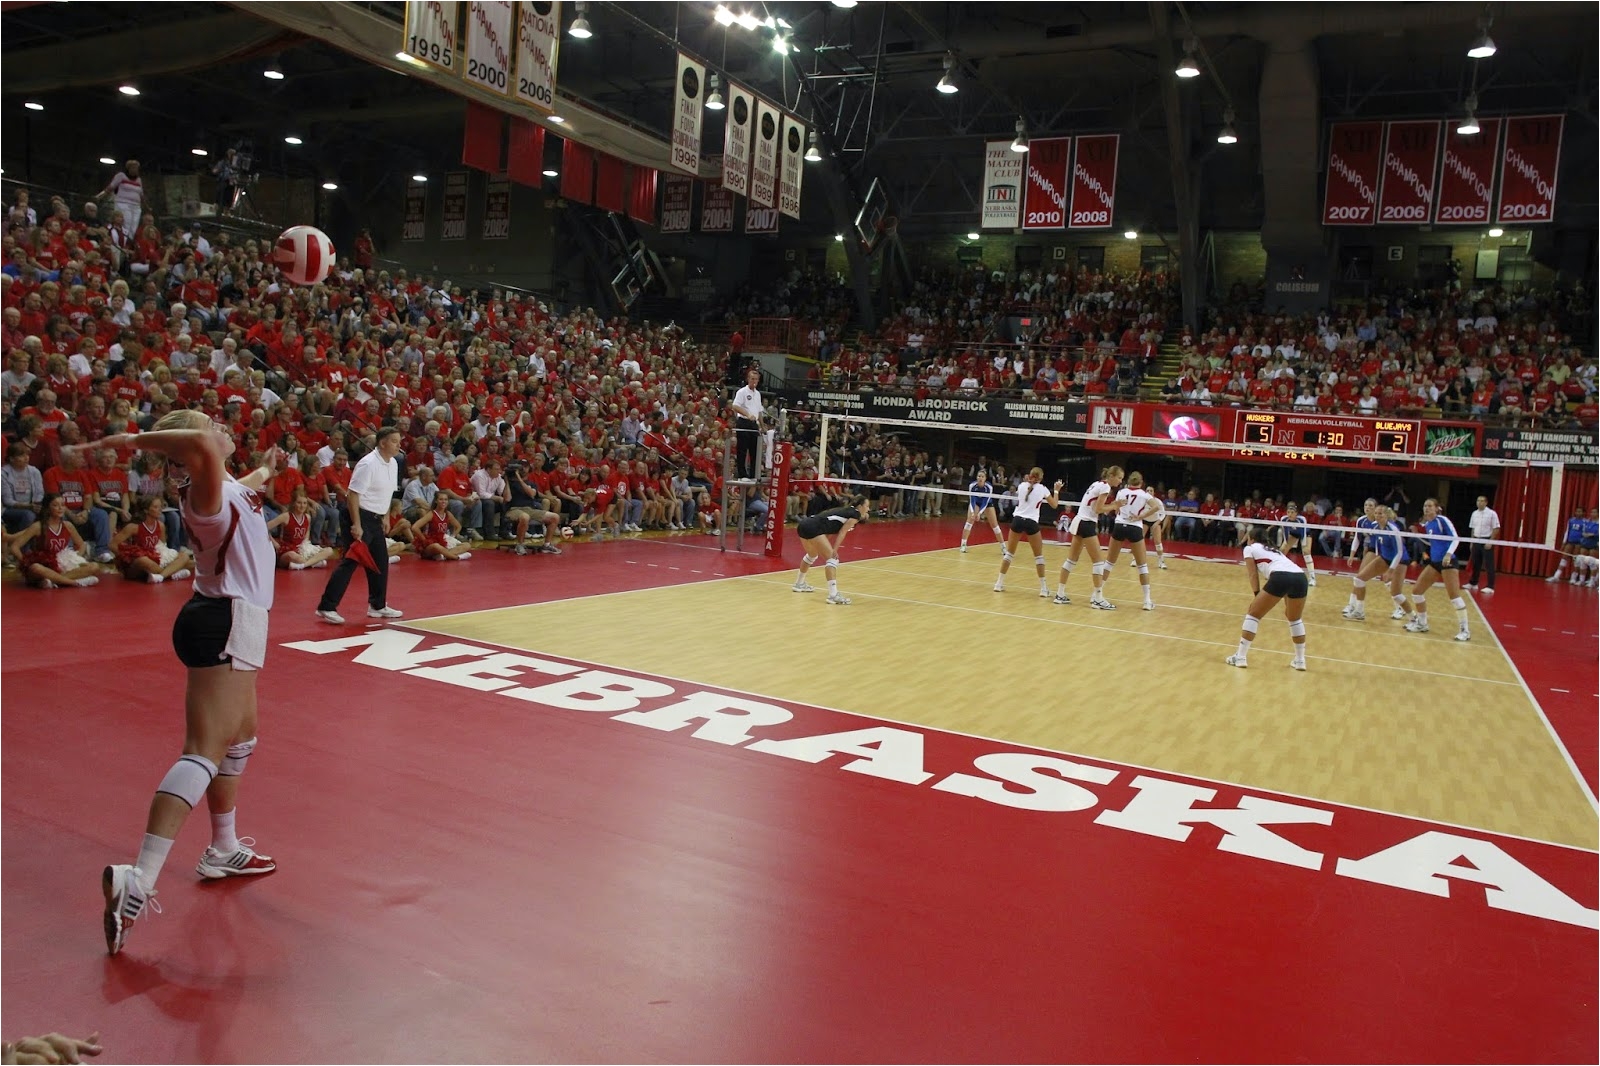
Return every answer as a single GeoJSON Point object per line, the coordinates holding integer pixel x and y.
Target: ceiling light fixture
{"type": "Point", "coordinates": [108, 161]}
{"type": "Point", "coordinates": [812, 155]}
{"type": "Point", "coordinates": [419, 177]}
{"type": "Point", "coordinates": [1497, 232]}
{"type": "Point", "coordinates": [552, 173]}
{"type": "Point", "coordinates": [198, 151]}
{"type": "Point", "coordinates": [1020, 142]}
{"type": "Point", "coordinates": [1483, 47]}
{"type": "Point", "coordinates": [128, 90]}
{"type": "Point", "coordinates": [839, 237]}
{"type": "Point", "coordinates": [1189, 68]}
{"type": "Point", "coordinates": [1229, 135]}
{"type": "Point", "coordinates": [1469, 125]}
{"type": "Point", "coordinates": [34, 105]}
{"type": "Point", "coordinates": [714, 97]}
{"type": "Point", "coordinates": [972, 236]}
{"type": "Point", "coordinates": [558, 120]}
{"type": "Point", "coordinates": [947, 84]}
{"type": "Point", "coordinates": [846, 4]}
{"type": "Point", "coordinates": [1131, 234]}
{"type": "Point", "coordinates": [723, 16]}
{"type": "Point", "coordinates": [292, 139]}
{"type": "Point", "coordinates": [580, 25]}
{"type": "Point", "coordinates": [780, 44]}
{"type": "Point", "coordinates": [748, 21]}
{"type": "Point", "coordinates": [331, 186]}
{"type": "Point", "coordinates": [407, 57]}
{"type": "Point", "coordinates": [272, 73]}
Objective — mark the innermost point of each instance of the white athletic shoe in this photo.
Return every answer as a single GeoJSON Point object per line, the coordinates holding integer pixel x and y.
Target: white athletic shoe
{"type": "Point", "coordinates": [1398, 613]}
{"type": "Point", "coordinates": [386, 612]}
{"type": "Point", "coordinates": [1236, 660]}
{"type": "Point", "coordinates": [999, 586]}
{"type": "Point", "coordinates": [802, 586]}
{"type": "Point", "coordinates": [1470, 588]}
{"type": "Point", "coordinates": [297, 566]}
{"type": "Point", "coordinates": [1575, 579]}
{"type": "Point", "coordinates": [1061, 597]}
{"type": "Point", "coordinates": [243, 862]}
{"type": "Point", "coordinates": [333, 618]}
{"type": "Point", "coordinates": [125, 902]}
{"type": "Point", "coordinates": [1417, 625]}
{"type": "Point", "coordinates": [1311, 580]}
{"type": "Point", "coordinates": [1044, 593]}
{"type": "Point", "coordinates": [1487, 592]}
{"type": "Point", "coordinates": [1101, 603]}
{"type": "Point", "coordinates": [1148, 606]}
{"type": "Point", "coordinates": [1134, 563]}
{"type": "Point", "coordinates": [85, 582]}
{"type": "Point", "coordinates": [1463, 635]}
{"type": "Point", "coordinates": [1161, 565]}
{"type": "Point", "coordinates": [183, 575]}
{"type": "Point", "coordinates": [837, 597]}
{"type": "Point", "coordinates": [156, 579]}
{"type": "Point", "coordinates": [1553, 578]}
{"type": "Point", "coordinates": [1357, 615]}
{"type": "Point", "coordinates": [1297, 664]}
{"type": "Point", "coordinates": [463, 557]}
{"type": "Point", "coordinates": [1347, 610]}
{"type": "Point", "coordinates": [963, 549]}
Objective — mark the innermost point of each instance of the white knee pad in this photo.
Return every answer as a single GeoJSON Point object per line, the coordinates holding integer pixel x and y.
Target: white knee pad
{"type": "Point", "coordinates": [1144, 570]}
{"type": "Point", "coordinates": [1038, 560]}
{"type": "Point", "coordinates": [238, 755]}
{"type": "Point", "coordinates": [808, 559]}
{"type": "Point", "coordinates": [1459, 604]}
{"type": "Point", "coordinates": [1251, 624]}
{"type": "Point", "coordinates": [1102, 569]}
{"type": "Point", "coordinates": [189, 778]}
{"type": "Point", "coordinates": [1297, 628]}
{"type": "Point", "coordinates": [1007, 556]}
{"type": "Point", "coordinates": [1068, 566]}
{"type": "Point", "coordinates": [1359, 583]}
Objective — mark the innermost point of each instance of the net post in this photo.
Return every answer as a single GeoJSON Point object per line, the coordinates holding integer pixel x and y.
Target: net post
{"type": "Point", "coordinates": [1552, 521]}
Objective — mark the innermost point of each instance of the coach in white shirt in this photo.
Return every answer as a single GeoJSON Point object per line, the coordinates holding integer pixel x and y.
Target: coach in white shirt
{"type": "Point", "coordinates": [1485, 524]}
{"type": "Point", "coordinates": [372, 485]}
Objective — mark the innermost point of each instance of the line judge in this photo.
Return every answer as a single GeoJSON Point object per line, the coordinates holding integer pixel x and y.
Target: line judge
{"type": "Point", "coordinates": [747, 412]}
{"type": "Point", "coordinates": [372, 485]}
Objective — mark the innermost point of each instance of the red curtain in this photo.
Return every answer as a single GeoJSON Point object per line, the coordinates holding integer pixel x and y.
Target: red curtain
{"type": "Point", "coordinates": [484, 137]}
{"type": "Point", "coordinates": [577, 172]}
{"type": "Point", "coordinates": [1523, 503]}
{"type": "Point", "coordinates": [642, 196]}
{"type": "Point", "coordinates": [525, 164]}
{"type": "Point", "coordinates": [611, 184]}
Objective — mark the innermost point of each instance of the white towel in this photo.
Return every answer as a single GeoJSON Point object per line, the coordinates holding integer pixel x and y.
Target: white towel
{"type": "Point", "coordinates": [247, 639]}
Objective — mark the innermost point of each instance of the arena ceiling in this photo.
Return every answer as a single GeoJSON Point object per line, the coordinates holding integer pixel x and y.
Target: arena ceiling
{"type": "Point", "coordinates": [867, 73]}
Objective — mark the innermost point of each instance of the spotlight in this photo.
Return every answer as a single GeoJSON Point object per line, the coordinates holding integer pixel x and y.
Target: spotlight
{"type": "Point", "coordinates": [780, 44]}
{"type": "Point", "coordinates": [839, 237]}
{"type": "Point", "coordinates": [723, 16]}
{"type": "Point", "coordinates": [272, 73]}
{"type": "Point", "coordinates": [1189, 68]}
{"type": "Point", "coordinates": [331, 186]}
{"type": "Point", "coordinates": [846, 4]}
{"type": "Point", "coordinates": [1229, 135]}
{"type": "Point", "coordinates": [128, 90]}
{"type": "Point", "coordinates": [34, 105]}
{"type": "Point", "coordinates": [1020, 142]}
{"type": "Point", "coordinates": [198, 151]}
{"type": "Point", "coordinates": [552, 173]}
{"type": "Point", "coordinates": [580, 25]}
{"type": "Point", "coordinates": [108, 161]}
{"type": "Point", "coordinates": [292, 139]}
{"type": "Point", "coordinates": [812, 155]}
{"type": "Point", "coordinates": [947, 84]}
{"type": "Point", "coordinates": [419, 177]}
{"type": "Point", "coordinates": [1483, 47]}
{"type": "Point", "coordinates": [714, 97]}
{"type": "Point", "coordinates": [972, 236]}
{"type": "Point", "coordinates": [557, 119]}
{"type": "Point", "coordinates": [1131, 234]}
{"type": "Point", "coordinates": [1497, 232]}
{"type": "Point", "coordinates": [1469, 126]}
{"type": "Point", "coordinates": [748, 21]}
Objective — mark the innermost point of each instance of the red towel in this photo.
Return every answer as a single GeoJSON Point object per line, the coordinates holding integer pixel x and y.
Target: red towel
{"type": "Point", "coordinates": [360, 553]}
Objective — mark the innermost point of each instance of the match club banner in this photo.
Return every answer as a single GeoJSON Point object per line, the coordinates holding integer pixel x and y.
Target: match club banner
{"type": "Point", "coordinates": [688, 104]}
{"type": "Point", "coordinates": [764, 173]}
{"type": "Point", "coordinates": [415, 227]}
{"type": "Point", "coordinates": [793, 171]}
{"type": "Point", "coordinates": [488, 40]}
{"type": "Point", "coordinates": [760, 219]}
{"type": "Point", "coordinates": [1528, 168]}
{"type": "Point", "coordinates": [1044, 195]}
{"type": "Point", "coordinates": [538, 39]}
{"type": "Point", "coordinates": [497, 209]}
{"type": "Point", "coordinates": [1002, 186]}
{"type": "Point", "coordinates": [431, 33]}
{"type": "Point", "coordinates": [736, 140]}
{"type": "Point", "coordinates": [1355, 160]}
{"type": "Point", "coordinates": [1094, 182]}
{"type": "Point", "coordinates": [1466, 182]}
{"type": "Point", "coordinates": [1410, 172]}
{"type": "Point", "coordinates": [716, 210]}
{"type": "Point", "coordinates": [455, 207]}
{"type": "Point", "coordinates": [677, 198]}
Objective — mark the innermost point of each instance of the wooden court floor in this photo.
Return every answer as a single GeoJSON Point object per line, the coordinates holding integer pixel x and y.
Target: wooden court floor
{"type": "Point", "coordinates": [1418, 725]}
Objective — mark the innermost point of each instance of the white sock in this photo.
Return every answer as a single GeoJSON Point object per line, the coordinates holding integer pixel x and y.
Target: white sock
{"type": "Point", "coordinates": [1300, 654]}
{"type": "Point", "coordinates": [1353, 599]}
{"type": "Point", "coordinates": [223, 840]}
{"type": "Point", "coordinates": [966, 531]}
{"type": "Point", "coordinates": [833, 587]}
{"type": "Point", "coordinates": [152, 857]}
{"type": "Point", "coordinates": [1244, 649]}
{"type": "Point", "coordinates": [156, 579]}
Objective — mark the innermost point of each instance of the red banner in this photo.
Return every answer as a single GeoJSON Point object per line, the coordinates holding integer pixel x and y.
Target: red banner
{"type": "Point", "coordinates": [1355, 159]}
{"type": "Point", "coordinates": [1410, 172]}
{"type": "Point", "coordinates": [642, 195]}
{"type": "Point", "coordinates": [1044, 188]}
{"type": "Point", "coordinates": [1094, 182]}
{"type": "Point", "coordinates": [611, 184]}
{"type": "Point", "coordinates": [777, 495]}
{"type": "Point", "coordinates": [577, 172]}
{"type": "Point", "coordinates": [677, 197]}
{"type": "Point", "coordinates": [525, 161]}
{"type": "Point", "coordinates": [1528, 169]}
{"type": "Point", "coordinates": [1466, 183]}
{"type": "Point", "coordinates": [483, 137]}
{"type": "Point", "coordinates": [716, 210]}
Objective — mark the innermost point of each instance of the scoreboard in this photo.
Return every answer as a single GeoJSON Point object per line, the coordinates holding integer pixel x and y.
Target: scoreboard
{"type": "Point", "coordinates": [1292, 437]}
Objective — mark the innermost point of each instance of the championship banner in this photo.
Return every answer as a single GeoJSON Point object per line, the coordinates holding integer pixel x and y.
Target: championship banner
{"type": "Point", "coordinates": [1002, 186]}
{"type": "Point", "coordinates": [1094, 182]}
{"type": "Point", "coordinates": [538, 39]}
{"type": "Point", "coordinates": [736, 140]}
{"type": "Point", "coordinates": [793, 173]}
{"type": "Point", "coordinates": [497, 209]}
{"type": "Point", "coordinates": [1410, 172]}
{"type": "Point", "coordinates": [764, 173]}
{"type": "Point", "coordinates": [1044, 194]}
{"type": "Point", "coordinates": [760, 219]}
{"type": "Point", "coordinates": [688, 102]}
{"type": "Point", "coordinates": [1355, 159]}
{"type": "Point", "coordinates": [415, 227]}
{"type": "Point", "coordinates": [430, 34]}
{"type": "Point", "coordinates": [677, 196]}
{"type": "Point", "coordinates": [716, 210]}
{"type": "Point", "coordinates": [1528, 169]}
{"type": "Point", "coordinates": [455, 207]}
{"type": "Point", "coordinates": [488, 39]}
{"type": "Point", "coordinates": [1466, 182]}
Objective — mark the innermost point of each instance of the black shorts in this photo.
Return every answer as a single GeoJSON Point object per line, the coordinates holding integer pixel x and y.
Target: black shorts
{"type": "Point", "coordinates": [1286, 585]}
{"type": "Point", "coordinates": [201, 631]}
{"type": "Point", "coordinates": [1127, 534]}
{"type": "Point", "coordinates": [811, 526]}
{"type": "Point", "coordinates": [1086, 527]}
{"type": "Point", "coordinates": [1440, 565]}
{"type": "Point", "coordinates": [1024, 527]}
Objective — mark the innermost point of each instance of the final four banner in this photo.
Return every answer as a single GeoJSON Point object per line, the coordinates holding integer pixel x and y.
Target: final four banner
{"type": "Point", "coordinates": [1044, 195]}
{"type": "Point", "coordinates": [736, 140]}
{"type": "Point", "coordinates": [1528, 168]}
{"type": "Point", "coordinates": [1410, 172]}
{"type": "Point", "coordinates": [538, 40]}
{"type": "Point", "coordinates": [1466, 182]}
{"type": "Point", "coordinates": [1094, 182]}
{"type": "Point", "coordinates": [764, 173]}
{"type": "Point", "coordinates": [489, 42]}
{"type": "Point", "coordinates": [793, 173]}
{"type": "Point", "coordinates": [432, 33]}
{"type": "Point", "coordinates": [1002, 186]}
{"type": "Point", "coordinates": [1355, 161]}
{"type": "Point", "coordinates": [687, 108]}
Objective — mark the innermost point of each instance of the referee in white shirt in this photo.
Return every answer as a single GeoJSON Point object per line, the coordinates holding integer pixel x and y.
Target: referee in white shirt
{"type": "Point", "coordinates": [747, 413]}
{"type": "Point", "coordinates": [372, 485]}
{"type": "Point", "coordinates": [1485, 524]}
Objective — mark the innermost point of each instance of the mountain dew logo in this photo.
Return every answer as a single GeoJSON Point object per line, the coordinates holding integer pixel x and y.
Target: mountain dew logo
{"type": "Point", "coordinates": [1447, 440]}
